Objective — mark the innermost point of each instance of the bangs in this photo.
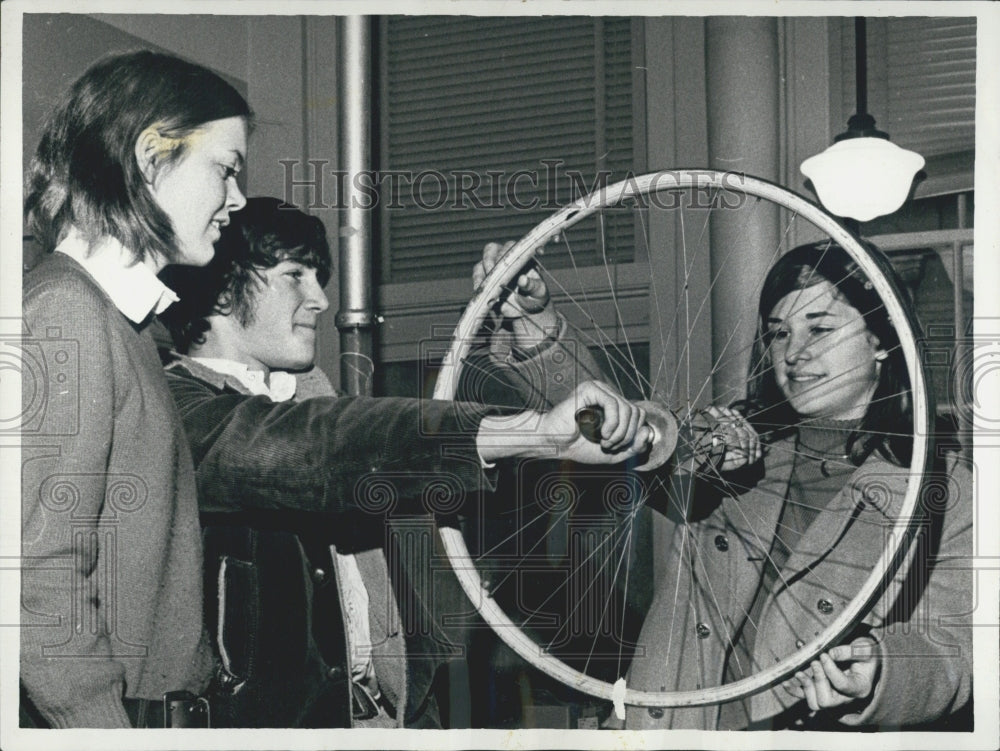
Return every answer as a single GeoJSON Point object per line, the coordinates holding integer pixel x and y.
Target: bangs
{"type": "Point", "coordinates": [308, 255]}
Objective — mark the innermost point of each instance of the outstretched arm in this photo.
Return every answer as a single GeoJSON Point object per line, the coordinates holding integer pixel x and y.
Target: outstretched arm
{"type": "Point", "coordinates": [555, 433]}
{"type": "Point", "coordinates": [321, 454]}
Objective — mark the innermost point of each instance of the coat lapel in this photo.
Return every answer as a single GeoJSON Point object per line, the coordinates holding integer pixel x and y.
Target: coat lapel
{"type": "Point", "coordinates": [753, 516]}
{"type": "Point", "coordinates": [856, 521]}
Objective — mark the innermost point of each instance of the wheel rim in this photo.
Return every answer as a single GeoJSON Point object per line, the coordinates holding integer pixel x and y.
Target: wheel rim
{"type": "Point", "coordinates": [894, 558]}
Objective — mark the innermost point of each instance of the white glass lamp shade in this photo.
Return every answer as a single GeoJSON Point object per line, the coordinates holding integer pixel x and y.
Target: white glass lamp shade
{"type": "Point", "coordinates": [862, 178]}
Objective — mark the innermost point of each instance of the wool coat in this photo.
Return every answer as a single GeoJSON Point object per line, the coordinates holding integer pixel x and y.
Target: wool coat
{"type": "Point", "coordinates": [920, 623]}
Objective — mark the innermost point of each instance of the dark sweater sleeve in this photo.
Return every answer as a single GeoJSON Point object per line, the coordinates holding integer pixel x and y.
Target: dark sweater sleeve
{"type": "Point", "coordinates": [330, 454]}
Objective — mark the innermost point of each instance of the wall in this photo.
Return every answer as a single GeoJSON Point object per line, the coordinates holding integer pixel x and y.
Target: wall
{"type": "Point", "coordinates": [220, 42]}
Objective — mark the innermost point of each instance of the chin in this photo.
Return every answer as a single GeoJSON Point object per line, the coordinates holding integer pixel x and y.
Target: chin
{"type": "Point", "coordinates": [296, 363]}
{"type": "Point", "coordinates": [809, 407]}
{"type": "Point", "coordinates": [198, 255]}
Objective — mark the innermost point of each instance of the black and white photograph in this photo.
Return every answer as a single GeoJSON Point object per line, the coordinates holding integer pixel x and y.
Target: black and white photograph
{"type": "Point", "coordinates": [478, 374]}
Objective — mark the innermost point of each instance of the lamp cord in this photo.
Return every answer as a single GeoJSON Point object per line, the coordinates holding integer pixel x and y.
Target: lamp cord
{"type": "Point", "coordinates": [861, 63]}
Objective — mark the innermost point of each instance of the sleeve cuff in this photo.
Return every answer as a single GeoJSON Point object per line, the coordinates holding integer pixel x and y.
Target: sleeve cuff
{"type": "Point", "coordinates": [553, 335]}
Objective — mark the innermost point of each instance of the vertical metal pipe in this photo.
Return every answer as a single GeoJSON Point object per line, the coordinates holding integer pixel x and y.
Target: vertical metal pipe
{"type": "Point", "coordinates": [356, 316]}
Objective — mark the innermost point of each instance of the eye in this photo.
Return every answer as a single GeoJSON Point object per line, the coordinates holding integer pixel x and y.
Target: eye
{"type": "Point", "coordinates": [228, 171]}
{"type": "Point", "coordinates": [775, 336]}
{"type": "Point", "coordinates": [818, 331]}
{"type": "Point", "coordinates": [295, 274]}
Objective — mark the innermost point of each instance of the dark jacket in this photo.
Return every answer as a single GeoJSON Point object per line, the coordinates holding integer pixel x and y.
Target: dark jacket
{"type": "Point", "coordinates": [280, 485]}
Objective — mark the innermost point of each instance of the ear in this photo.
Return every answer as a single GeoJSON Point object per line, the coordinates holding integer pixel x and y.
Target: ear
{"type": "Point", "coordinates": [148, 148]}
{"type": "Point", "coordinates": [224, 303]}
{"type": "Point", "coordinates": [880, 354]}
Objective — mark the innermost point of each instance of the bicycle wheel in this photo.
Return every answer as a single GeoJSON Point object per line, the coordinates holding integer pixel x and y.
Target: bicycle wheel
{"type": "Point", "coordinates": [606, 237]}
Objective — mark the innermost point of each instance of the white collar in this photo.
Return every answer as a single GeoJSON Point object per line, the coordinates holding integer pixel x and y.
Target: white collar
{"type": "Point", "coordinates": [281, 386]}
{"type": "Point", "coordinates": [133, 287]}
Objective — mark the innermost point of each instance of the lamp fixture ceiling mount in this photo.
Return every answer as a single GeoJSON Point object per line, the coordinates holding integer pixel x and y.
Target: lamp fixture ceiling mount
{"type": "Point", "coordinates": [863, 175]}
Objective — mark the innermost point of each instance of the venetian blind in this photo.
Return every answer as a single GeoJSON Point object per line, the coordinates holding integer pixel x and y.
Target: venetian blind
{"type": "Point", "coordinates": [513, 104]}
{"type": "Point", "coordinates": [921, 80]}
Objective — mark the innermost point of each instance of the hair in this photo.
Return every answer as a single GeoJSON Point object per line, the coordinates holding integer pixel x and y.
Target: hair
{"type": "Point", "coordinates": [85, 172]}
{"type": "Point", "coordinates": [260, 236]}
{"type": "Point", "coordinates": [887, 425]}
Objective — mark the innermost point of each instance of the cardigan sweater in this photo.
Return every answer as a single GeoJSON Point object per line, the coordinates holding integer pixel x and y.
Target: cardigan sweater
{"type": "Point", "coordinates": [111, 572]}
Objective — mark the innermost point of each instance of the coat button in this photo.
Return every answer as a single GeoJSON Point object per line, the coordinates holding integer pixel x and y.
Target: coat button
{"type": "Point", "coordinates": [335, 672]}
{"type": "Point", "coordinates": [721, 543]}
{"type": "Point", "coordinates": [655, 712]}
{"type": "Point", "coordinates": [703, 631]}
{"type": "Point", "coordinates": [824, 606]}
{"type": "Point", "coordinates": [799, 644]}
{"type": "Point", "coordinates": [318, 576]}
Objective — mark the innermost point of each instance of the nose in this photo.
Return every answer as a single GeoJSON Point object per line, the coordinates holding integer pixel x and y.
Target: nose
{"type": "Point", "coordinates": [235, 200]}
{"type": "Point", "coordinates": [796, 350]}
{"type": "Point", "coordinates": [315, 296]}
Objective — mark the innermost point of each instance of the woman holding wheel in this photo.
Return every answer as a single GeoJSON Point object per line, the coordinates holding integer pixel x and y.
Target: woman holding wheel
{"type": "Point", "coordinates": [829, 399]}
{"type": "Point", "coordinates": [768, 550]}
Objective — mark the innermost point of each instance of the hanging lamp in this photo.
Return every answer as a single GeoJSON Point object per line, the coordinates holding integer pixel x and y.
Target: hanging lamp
{"type": "Point", "coordinates": [863, 175]}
